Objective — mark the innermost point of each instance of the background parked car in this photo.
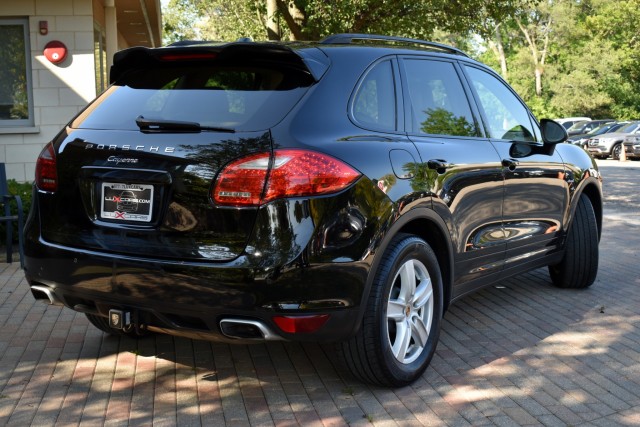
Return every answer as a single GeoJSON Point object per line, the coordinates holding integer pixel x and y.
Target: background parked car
{"type": "Point", "coordinates": [567, 122]}
{"type": "Point", "coordinates": [610, 144]}
{"type": "Point", "coordinates": [583, 139]}
{"type": "Point", "coordinates": [632, 147]}
{"type": "Point", "coordinates": [586, 126]}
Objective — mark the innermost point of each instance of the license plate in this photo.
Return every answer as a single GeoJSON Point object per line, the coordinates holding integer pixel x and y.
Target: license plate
{"type": "Point", "coordinates": [126, 202]}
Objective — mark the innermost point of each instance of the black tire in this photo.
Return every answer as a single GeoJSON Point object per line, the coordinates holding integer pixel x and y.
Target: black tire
{"type": "Point", "coordinates": [579, 266]}
{"type": "Point", "coordinates": [394, 347]}
{"type": "Point", "coordinates": [615, 151]}
{"type": "Point", "coordinates": [102, 323]}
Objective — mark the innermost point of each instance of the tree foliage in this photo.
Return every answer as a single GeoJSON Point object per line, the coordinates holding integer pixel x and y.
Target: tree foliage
{"type": "Point", "coordinates": [591, 65]}
{"type": "Point", "coordinates": [443, 122]}
{"type": "Point", "coordinates": [564, 57]}
{"type": "Point", "coordinates": [314, 19]}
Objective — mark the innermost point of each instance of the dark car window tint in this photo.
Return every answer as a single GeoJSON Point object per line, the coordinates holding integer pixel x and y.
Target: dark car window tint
{"type": "Point", "coordinates": [507, 117]}
{"type": "Point", "coordinates": [242, 98]}
{"type": "Point", "coordinates": [374, 105]}
{"type": "Point", "coordinates": [438, 102]}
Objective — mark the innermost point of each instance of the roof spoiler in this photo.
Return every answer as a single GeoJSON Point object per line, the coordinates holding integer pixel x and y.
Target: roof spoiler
{"type": "Point", "coordinates": [311, 60]}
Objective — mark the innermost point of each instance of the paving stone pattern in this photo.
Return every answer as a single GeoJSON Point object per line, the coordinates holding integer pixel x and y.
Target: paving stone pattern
{"type": "Point", "coordinates": [518, 354]}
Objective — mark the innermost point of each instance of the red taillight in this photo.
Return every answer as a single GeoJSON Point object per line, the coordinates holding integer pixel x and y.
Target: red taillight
{"type": "Point", "coordinates": [298, 173]}
{"type": "Point", "coordinates": [241, 183]}
{"type": "Point", "coordinates": [46, 174]}
{"type": "Point", "coordinates": [300, 324]}
{"type": "Point", "coordinates": [292, 173]}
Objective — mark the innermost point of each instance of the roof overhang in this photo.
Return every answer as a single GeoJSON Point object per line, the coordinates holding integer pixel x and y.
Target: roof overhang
{"type": "Point", "coordinates": [140, 22]}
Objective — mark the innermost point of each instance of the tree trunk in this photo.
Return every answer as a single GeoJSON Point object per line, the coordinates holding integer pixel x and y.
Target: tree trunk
{"type": "Point", "coordinates": [535, 56]}
{"type": "Point", "coordinates": [273, 28]}
{"type": "Point", "coordinates": [293, 16]}
{"type": "Point", "coordinates": [538, 72]}
{"type": "Point", "coordinates": [543, 56]}
{"type": "Point", "coordinates": [498, 49]}
{"type": "Point", "coordinates": [501, 55]}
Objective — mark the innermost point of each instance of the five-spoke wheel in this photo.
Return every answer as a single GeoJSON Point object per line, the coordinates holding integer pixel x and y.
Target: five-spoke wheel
{"type": "Point", "coordinates": [410, 311]}
{"type": "Point", "coordinates": [401, 325]}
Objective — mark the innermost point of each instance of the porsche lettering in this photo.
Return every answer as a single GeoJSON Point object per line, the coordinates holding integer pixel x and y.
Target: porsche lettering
{"type": "Point", "coordinates": [129, 147]}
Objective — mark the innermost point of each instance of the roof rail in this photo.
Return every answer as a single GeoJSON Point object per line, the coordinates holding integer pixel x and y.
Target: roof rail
{"type": "Point", "coordinates": [348, 38]}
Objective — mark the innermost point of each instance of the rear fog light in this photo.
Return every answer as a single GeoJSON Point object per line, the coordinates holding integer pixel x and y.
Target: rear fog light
{"type": "Point", "coordinates": [301, 324]}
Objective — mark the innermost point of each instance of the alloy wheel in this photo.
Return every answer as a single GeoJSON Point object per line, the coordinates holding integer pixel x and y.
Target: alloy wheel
{"type": "Point", "coordinates": [410, 311]}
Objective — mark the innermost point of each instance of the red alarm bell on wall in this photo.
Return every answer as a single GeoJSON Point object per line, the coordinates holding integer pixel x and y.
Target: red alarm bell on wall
{"type": "Point", "coordinates": [55, 51]}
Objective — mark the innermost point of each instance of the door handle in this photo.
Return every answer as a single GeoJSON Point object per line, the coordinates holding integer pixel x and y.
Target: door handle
{"type": "Point", "coordinates": [439, 165]}
{"type": "Point", "coordinates": [510, 163]}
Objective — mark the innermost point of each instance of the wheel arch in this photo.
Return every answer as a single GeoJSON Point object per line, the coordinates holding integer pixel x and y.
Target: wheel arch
{"type": "Point", "coordinates": [616, 142]}
{"type": "Point", "coordinates": [592, 190]}
{"type": "Point", "coordinates": [426, 224]}
{"type": "Point", "coordinates": [437, 236]}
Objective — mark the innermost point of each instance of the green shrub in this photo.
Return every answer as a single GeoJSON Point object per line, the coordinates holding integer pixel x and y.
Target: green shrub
{"type": "Point", "coordinates": [22, 189]}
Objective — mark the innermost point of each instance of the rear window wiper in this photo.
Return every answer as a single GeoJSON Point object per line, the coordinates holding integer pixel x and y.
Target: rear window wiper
{"type": "Point", "coordinates": [175, 125]}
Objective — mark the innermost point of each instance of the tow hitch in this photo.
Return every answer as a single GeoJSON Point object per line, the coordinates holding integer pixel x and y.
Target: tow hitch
{"type": "Point", "coordinates": [119, 319]}
{"type": "Point", "coordinates": [128, 321]}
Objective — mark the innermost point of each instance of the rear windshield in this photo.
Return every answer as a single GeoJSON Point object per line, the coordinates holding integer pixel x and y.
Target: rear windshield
{"type": "Point", "coordinates": [244, 98]}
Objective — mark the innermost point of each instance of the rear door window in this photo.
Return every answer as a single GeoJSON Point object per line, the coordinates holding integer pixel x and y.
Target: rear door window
{"type": "Point", "coordinates": [439, 105]}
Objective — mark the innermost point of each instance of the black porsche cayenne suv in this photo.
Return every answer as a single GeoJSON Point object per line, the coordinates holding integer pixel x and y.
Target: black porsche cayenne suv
{"type": "Point", "coordinates": [344, 191]}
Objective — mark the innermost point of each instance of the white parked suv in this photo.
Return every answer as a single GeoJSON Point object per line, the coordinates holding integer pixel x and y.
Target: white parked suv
{"type": "Point", "coordinates": [610, 144]}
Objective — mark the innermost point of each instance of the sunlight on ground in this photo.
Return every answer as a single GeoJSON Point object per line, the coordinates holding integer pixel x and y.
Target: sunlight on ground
{"type": "Point", "coordinates": [556, 355]}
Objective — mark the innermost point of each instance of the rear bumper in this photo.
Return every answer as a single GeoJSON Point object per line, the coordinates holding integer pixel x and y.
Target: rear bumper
{"type": "Point", "coordinates": [191, 300]}
{"type": "Point", "coordinates": [632, 150]}
{"type": "Point", "coordinates": [304, 257]}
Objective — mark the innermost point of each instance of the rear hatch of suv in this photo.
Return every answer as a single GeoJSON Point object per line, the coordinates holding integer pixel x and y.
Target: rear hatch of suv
{"type": "Point", "coordinates": [133, 173]}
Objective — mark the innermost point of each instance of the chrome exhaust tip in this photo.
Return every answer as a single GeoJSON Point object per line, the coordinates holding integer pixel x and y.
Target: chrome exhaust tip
{"type": "Point", "coordinates": [247, 329]}
{"type": "Point", "coordinates": [46, 295]}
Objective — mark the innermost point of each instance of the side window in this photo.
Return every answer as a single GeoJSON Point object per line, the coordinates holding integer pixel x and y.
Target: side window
{"type": "Point", "coordinates": [374, 105]}
{"type": "Point", "coordinates": [438, 102]}
{"type": "Point", "coordinates": [506, 116]}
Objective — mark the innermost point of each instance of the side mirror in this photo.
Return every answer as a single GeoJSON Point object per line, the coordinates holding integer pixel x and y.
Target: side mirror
{"type": "Point", "coordinates": [552, 132]}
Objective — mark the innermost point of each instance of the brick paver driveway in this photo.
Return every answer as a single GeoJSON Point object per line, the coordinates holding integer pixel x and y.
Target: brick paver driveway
{"type": "Point", "coordinates": [522, 353]}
